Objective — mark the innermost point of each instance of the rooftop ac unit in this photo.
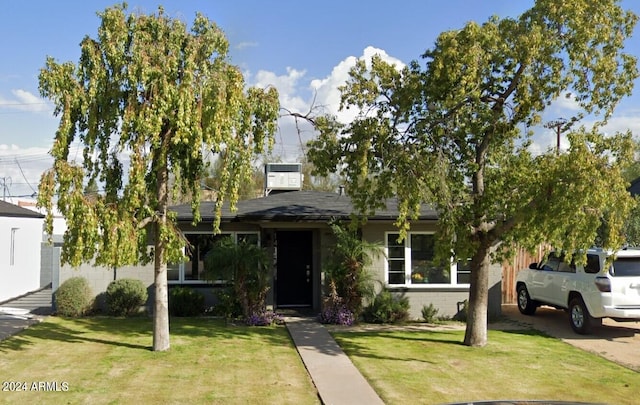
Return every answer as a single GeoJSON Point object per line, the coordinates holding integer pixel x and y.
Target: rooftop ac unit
{"type": "Point", "coordinates": [283, 176]}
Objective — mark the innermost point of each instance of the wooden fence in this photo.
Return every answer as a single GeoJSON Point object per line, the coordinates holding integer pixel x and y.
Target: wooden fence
{"type": "Point", "coordinates": [521, 259]}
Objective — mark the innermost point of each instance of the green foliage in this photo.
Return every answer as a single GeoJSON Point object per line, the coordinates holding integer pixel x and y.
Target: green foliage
{"type": "Point", "coordinates": [387, 308]}
{"type": "Point", "coordinates": [244, 265]}
{"type": "Point", "coordinates": [447, 132]}
{"type": "Point", "coordinates": [74, 297]}
{"type": "Point", "coordinates": [227, 305]}
{"type": "Point", "coordinates": [348, 265]}
{"type": "Point", "coordinates": [632, 225]}
{"type": "Point", "coordinates": [185, 301]}
{"type": "Point", "coordinates": [429, 313]}
{"type": "Point", "coordinates": [150, 95]}
{"type": "Point", "coordinates": [125, 296]}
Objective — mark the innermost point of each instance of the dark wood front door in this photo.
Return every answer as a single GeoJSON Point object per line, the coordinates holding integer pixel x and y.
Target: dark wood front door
{"type": "Point", "coordinates": [294, 283]}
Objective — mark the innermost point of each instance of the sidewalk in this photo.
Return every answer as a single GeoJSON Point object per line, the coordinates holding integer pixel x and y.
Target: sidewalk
{"type": "Point", "coordinates": [337, 380]}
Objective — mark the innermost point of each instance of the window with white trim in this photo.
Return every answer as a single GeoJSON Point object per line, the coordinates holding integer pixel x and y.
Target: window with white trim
{"type": "Point", "coordinates": [192, 271]}
{"type": "Point", "coordinates": [412, 262]}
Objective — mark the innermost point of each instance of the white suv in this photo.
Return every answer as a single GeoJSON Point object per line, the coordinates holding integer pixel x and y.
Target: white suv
{"type": "Point", "coordinates": [589, 293]}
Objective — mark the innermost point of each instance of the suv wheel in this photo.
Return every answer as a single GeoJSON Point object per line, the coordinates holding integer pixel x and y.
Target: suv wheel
{"type": "Point", "coordinates": [525, 304]}
{"type": "Point", "coordinates": [581, 321]}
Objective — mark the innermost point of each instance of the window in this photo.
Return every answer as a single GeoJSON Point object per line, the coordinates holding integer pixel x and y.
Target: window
{"type": "Point", "coordinates": [593, 264]}
{"type": "Point", "coordinates": [411, 262]}
{"type": "Point", "coordinates": [192, 271]}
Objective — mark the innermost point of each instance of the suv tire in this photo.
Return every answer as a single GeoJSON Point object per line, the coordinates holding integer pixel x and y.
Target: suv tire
{"type": "Point", "coordinates": [525, 305]}
{"type": "Point", "coordinates": [579, 317]}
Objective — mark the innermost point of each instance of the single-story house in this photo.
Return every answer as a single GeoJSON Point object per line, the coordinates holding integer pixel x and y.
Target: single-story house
{"type": "Point", "coordinates": [20, 240]}
{"type": "Point", "coordinates": [294, 227]}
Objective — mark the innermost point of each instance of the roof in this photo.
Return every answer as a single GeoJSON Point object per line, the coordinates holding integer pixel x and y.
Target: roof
{"type": "Point", "coordinates": [295, 206]}
{"type": "Point", "coordinates": [11, 210]}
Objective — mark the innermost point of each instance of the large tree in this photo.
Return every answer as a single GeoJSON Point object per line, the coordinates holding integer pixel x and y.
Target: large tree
{"type": "Point", "coordinates": [450, 133]}
{"type": "Point", "coordinates": [146, 98]}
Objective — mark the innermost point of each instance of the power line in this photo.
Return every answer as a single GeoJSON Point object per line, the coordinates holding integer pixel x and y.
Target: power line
{"type": "Point", "coordinates": [25, 177]}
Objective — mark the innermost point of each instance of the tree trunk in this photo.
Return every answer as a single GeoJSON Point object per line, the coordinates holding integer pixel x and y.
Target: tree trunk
{"type": "Point", "coordinates": [476, 332]}
{"type": "Point", "coordinates": [161, 304]}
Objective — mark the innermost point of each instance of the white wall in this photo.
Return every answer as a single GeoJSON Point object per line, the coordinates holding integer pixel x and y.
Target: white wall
{"type": "Point", "coordinates": [23, 275]}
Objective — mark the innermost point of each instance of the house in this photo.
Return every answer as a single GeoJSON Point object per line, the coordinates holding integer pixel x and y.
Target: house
{"type": "Point", "coordinates": [294, 226]}
{"type": "Point", "coordinates": [20, 240]}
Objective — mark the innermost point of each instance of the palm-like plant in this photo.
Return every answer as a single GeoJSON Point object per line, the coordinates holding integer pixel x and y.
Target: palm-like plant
{"type": "Point", "coordinates": [348, 268]}
{"type": "Point", "coordinates": [246, 266]}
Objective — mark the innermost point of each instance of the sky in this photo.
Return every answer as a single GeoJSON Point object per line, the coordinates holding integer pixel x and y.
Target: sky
{"type": "Point", "coordinates": [304, 49]}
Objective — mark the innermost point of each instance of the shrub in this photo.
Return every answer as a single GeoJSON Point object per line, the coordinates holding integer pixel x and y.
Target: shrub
{"type": "Point", "coordinates": [184, 301]}
{"type": "Point", "coordinates": [125, 296]}
{"type": "Point", "coordinates": [429, 313]}
{"type": "Point", "coordinates": [74, 297]}
{"type": "Point", "coordinates": [387, 309]}
{"type": "Point", "coordinates": [334, 311]}
{"type": "Point", "coordinates": [227, 304]}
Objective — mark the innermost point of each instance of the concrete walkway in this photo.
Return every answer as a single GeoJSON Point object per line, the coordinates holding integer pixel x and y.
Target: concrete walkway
{"type": "Point", "coordinates": [337, 380]}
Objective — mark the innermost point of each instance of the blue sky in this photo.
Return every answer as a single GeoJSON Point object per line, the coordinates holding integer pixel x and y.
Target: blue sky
{"type": "Point", "coordinates": [300, 47]}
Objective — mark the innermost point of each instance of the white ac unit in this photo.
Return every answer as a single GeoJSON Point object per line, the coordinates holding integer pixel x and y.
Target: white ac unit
{"type": "Point", "coordinates": [283, 176]}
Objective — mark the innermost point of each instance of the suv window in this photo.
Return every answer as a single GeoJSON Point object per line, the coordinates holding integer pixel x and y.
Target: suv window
{"type": "Point", "coordinates": [626, 267]}
{"type": "Point", "coordinates": [593, 264]}
{"type": "Point", "coordinates": [552, 263]}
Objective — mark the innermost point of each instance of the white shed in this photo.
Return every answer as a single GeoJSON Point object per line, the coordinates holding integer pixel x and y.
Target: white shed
{"type": "Point", "coordinates": [20, 242]}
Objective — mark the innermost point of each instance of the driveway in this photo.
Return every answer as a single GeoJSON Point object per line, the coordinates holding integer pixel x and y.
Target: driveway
{"type": "Point", "coordinates": [616, 341]}
{"type": "Point", "coordinates": [14, 320]}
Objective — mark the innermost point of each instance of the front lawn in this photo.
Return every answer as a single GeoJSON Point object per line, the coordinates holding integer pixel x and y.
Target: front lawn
{"type": "Point", "coordinates": [106, 360]}
{"type": "Point", "coordinates": [423, 367]}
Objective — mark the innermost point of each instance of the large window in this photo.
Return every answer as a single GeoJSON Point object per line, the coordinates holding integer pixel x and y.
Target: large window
{"type": "Point", "coordinates": [192, 271]}
{"type": "Point", "coordinates": [412, 262]}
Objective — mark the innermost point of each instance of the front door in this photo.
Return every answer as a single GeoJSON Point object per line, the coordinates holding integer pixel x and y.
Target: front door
{"type": "Point", "coordinates": [294, 282]}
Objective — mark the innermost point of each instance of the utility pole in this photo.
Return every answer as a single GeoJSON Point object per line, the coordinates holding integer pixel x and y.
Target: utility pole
{"type": "Point", "coordinates": [556, 124]}
{"type": "Point", "coordinates": [3, 184]}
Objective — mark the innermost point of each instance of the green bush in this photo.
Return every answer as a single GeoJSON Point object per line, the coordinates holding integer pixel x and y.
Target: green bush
{"type": "Point", "coordinates": [227, 304]}
{"type": "Point", "coordinates": [74, 297]}
{"type": "Point", "coordinates": [185, 301]}
{"type": "Point", "coordinates": [125, 296]}
{"type": "Point", "coordinates": [429, 313]}
{"type": "Point", "coordinates": [387, 308]}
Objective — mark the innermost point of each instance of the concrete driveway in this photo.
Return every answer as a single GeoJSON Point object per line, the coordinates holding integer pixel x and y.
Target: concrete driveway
{"type": "Point", "coordinates": [14, 320]}
{"type": "Point", "coordinates": [616, 341]}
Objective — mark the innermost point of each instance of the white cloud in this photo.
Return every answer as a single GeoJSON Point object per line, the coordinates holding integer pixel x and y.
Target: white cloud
{"type": "Point", "coordinates": [300, 96]}
{"type": "Point", "coordinates": [327, 89]}
{"type": "Point", "coordinates": [245, 45]}
{"type": "Point", "coordinates": [22, 100]}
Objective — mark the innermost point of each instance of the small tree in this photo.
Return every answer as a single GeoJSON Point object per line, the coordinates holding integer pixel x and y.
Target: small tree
{"type": "Point", "coordinates": [244, 265]}
{"type": "Point", "coordinates": [145, 100]}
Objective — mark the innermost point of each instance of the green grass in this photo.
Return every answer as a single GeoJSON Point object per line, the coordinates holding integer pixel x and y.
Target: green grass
{"type": "Point", "coordinates": [434, 367]}
{"type": "Point", "coordinates": [109, 360]}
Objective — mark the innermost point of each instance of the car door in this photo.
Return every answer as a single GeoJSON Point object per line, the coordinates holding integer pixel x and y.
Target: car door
{"type": "Point", "coordinates": [561, 281]}
{"type": "Point", "coordinates": [543, 278]}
